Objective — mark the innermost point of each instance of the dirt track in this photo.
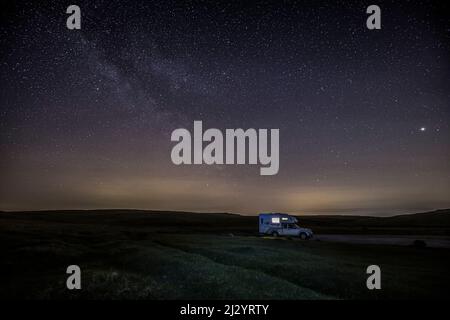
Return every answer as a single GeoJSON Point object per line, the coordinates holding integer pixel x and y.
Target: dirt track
{"type": "Point", "coordinates": [431, 241]}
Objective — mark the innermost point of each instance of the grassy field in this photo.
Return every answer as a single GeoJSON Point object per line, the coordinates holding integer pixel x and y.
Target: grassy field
{"type": "Point", "coordinates": [144, 255]}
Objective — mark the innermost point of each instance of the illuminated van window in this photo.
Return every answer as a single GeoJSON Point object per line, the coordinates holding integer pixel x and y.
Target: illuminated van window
{"type": "Point", "coordinates": [284, 218]}
{"type": "Point", "coordinates": [275, 220]}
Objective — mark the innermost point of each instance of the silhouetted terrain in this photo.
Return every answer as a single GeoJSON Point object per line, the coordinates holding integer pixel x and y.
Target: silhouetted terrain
{"type": "Point", "coordinates": [132, 254]}
{"type": "Point", "coordinates": [435, 222]}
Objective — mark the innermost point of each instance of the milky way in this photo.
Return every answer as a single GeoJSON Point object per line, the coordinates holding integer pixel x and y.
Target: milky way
{"type": "Point", "coordinates": [86, 115]}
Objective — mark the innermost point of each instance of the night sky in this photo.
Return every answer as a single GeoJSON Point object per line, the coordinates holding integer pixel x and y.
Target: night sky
{"type": "Point", "coordinates": [86, 115]}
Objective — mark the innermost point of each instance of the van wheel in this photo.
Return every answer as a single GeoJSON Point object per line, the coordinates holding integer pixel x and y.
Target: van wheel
{"type": "Point", "coordinates": [303, 236]}
{"type": "Point", "coordinates": [275, 234]}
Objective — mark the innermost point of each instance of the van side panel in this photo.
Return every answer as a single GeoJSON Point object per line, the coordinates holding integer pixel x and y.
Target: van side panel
{"type": "Point", "coordinates": [266, 225]}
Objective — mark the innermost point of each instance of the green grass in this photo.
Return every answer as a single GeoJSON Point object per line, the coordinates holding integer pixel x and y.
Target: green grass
{"type": "Point", "coordinates": [336, 270]}
{"type": "Point", "coordinates": [129, 262]}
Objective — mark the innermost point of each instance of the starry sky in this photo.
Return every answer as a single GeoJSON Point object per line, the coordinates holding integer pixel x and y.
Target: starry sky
{"type": "Point", "coordinates": [86, 115]}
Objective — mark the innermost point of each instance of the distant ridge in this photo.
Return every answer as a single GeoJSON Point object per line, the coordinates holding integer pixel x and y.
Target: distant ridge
{"type": "Point", "coordinates": [435, 218]}
{"type": "Point", "coordinates": [435, 222]}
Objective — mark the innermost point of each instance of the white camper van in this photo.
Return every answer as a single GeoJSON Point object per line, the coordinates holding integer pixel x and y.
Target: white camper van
{"type": "Point", "coordinates": [281, 224]}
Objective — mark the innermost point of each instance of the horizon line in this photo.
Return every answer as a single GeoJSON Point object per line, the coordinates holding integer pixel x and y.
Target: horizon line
{"type": "Point", "coordinates": [222, 212]}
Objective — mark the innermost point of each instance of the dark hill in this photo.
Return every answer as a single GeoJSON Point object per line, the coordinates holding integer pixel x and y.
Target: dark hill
{"type": "Point", "coordinates": [435, 222]}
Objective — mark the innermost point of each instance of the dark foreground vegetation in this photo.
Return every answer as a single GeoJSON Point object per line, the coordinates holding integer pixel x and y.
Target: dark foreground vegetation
{"type": "Point", "coordinates": [126, 254]}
